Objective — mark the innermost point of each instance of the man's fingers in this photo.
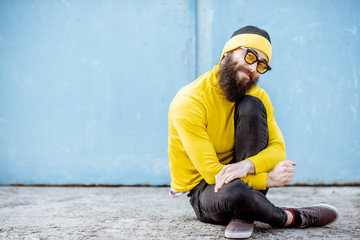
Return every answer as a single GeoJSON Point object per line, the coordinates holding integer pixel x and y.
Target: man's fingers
{"type": "Point", "coordinates": [290, 175]}
{"type": "Point", "coordinates": [224, 177]}
{"type": "Point", "coordinates": [289, 169]}
{"type": "Point", "coordinates": [230, 172]}
{"type": "Point", "coordinates": [229, 178]}
{"type": "Point", "coordinates": [219, 182]}
{"type": "Point", "coordinates": [288, 163]}
{"type": "Point", "coordinates": [218, 186]}
{"type": "Point", "coordinates": [221, 172]}
{"type": "Point", "coordinates": [291, 162]}
{"type": "Point", "coordinates": [287, 174]}
{"type": "Point", "coordinates": [218, 179]}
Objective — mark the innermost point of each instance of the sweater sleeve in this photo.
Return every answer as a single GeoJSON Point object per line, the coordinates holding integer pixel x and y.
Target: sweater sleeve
{"type": "Point", "coordinates": [274, 153]}
{"type": "Point", "coordinates": [188, 117]}
{"type": "Point", "coordinates": [257, 181]}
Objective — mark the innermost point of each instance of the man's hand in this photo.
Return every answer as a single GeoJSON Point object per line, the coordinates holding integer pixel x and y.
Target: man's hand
{"type": "Point", "coordinates": [233, 171]}
{"type": "Point", "coordinates": [282, 174]}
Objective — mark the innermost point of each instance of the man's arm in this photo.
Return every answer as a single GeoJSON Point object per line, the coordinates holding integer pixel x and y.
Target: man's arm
{"type": "Point", "coordinates": [282, 174]}
{"type": "Point", "coordinates": [188, 118]}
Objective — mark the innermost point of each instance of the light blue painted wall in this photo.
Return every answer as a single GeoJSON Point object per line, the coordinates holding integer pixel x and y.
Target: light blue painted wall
{"type": "Point", "coordinates": [314, 84]}
{"type": "Point", "coordinates": [85, 85]}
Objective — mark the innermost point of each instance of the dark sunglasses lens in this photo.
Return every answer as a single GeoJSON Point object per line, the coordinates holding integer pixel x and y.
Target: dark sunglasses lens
{"type": "Point", "coordinates": [250, 58]}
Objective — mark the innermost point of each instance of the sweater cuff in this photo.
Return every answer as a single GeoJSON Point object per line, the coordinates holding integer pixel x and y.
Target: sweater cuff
{"type": "Point", "coordinates": [256, 181]}
{"type": "Point", "coordinates": [260, 165]}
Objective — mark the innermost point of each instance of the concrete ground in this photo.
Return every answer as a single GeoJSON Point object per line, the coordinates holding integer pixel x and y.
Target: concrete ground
{"type": "Point", "coordinates": [149, 213]}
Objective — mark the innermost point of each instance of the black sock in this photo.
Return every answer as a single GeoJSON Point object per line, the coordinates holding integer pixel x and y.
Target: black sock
{"type": "Point", "coordinates": [296, 219]}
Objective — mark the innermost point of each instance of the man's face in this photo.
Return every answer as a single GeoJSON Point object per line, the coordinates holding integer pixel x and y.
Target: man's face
{"type": "Point", "coordinates": [236, 76]}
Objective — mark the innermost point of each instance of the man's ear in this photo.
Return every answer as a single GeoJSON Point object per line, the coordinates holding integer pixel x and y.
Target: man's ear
{"type": "Point", "coordinates": [225, 55]}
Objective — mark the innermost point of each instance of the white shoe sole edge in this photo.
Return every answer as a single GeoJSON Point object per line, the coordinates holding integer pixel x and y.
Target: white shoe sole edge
{"type": "Point", "coordinates": [238, 234]}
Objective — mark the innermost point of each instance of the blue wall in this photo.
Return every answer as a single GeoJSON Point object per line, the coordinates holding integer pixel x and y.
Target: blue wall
{"type": "Point", "coordinates": [85, 85]}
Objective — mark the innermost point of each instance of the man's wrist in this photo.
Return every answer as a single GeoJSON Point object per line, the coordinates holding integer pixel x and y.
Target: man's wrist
{"type": "Point", "coordinates": [269, 180]}
{"type": "Point", "coordinates": [251, 166]}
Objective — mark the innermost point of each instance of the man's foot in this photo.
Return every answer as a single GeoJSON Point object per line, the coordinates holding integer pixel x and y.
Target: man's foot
{"type": "Point", "coordinates": [239, 229]}
{"type": "Point", "coordinates": [316, 215]}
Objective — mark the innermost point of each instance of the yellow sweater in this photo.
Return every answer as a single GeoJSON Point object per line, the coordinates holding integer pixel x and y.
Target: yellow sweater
{"type": "Point", "coordinates": [201, 135]}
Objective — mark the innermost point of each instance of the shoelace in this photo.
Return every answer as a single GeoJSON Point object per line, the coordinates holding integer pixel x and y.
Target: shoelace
{"type": "Point", "coordinates": [310, 216]}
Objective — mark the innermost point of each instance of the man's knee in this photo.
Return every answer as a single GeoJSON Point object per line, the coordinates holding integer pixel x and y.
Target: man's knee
{"type": "Point", "coordinates": [236, 193]}
{"type": "Point", "coordinates": [250, 107]}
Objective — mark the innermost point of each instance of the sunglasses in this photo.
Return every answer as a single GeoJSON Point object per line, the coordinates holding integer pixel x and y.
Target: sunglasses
{"type": "Point", "coordinates": [250, 58]}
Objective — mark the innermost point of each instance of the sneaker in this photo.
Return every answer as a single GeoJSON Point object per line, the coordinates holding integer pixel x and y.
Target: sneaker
{"type": "Point", "coordinates": [317, 215]}
{"type": "Point", "coordinates": [239, 229]}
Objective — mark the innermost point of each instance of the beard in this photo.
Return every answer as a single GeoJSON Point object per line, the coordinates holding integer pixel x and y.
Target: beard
{"type": "Point", "coordinates": [234, 86]}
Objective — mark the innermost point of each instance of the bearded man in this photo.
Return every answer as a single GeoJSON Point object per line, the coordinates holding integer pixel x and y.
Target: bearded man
{"type": "Point", "coordinates": [226, 149]}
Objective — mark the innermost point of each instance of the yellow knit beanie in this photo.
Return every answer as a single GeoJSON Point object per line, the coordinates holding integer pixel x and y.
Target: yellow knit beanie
{"type": "Point", "coordinates": [249, 37]}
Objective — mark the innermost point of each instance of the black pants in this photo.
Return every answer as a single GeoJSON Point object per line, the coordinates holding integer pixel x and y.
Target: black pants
{"type": "Point", "coordinates": [237, 199]}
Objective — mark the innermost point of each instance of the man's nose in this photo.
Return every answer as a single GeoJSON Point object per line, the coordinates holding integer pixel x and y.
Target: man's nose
{"type": "Point", "coordinates": [252, 67]}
